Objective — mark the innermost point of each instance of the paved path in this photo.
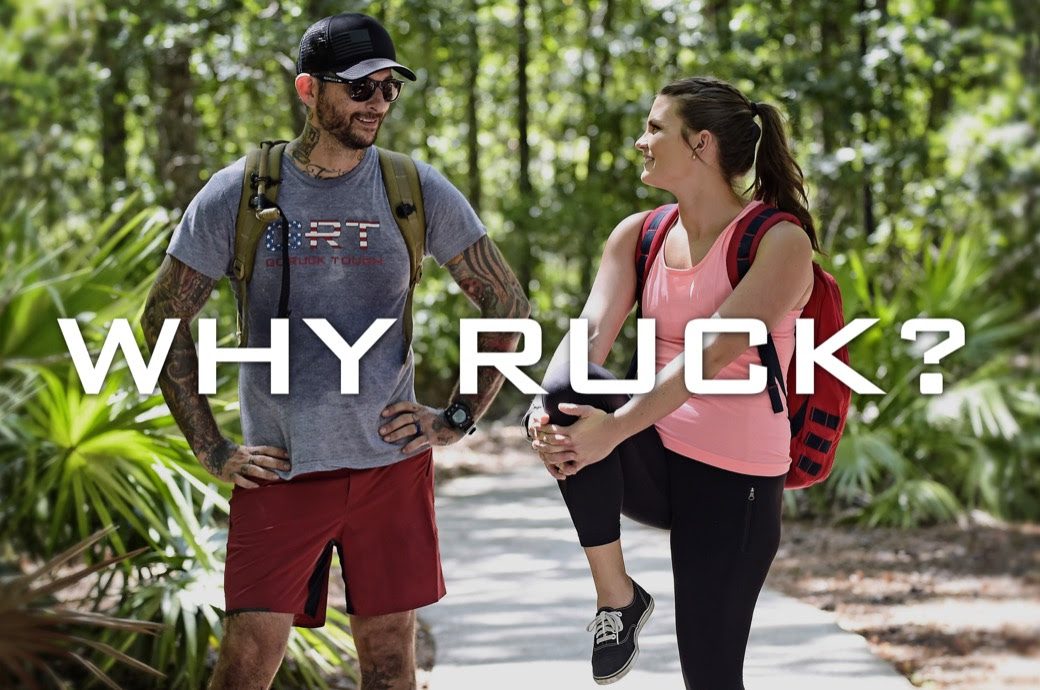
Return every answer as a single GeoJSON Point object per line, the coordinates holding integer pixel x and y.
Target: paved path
{"type": "Point", "coordinates": [520, 595]}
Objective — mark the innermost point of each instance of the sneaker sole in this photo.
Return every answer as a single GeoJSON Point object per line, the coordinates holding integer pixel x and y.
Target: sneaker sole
{"type": "Point", "coordinates": [607, 680]}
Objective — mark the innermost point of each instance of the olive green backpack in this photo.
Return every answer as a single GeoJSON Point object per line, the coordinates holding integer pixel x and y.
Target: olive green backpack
{"type": "Point", "coordinates": [259, 207]}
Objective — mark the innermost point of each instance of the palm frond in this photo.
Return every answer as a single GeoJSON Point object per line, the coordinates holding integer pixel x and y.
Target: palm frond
{"type": "Point", "coordinates": [912, 503]}
{"type": "Point", "coordinates": [38, 630]}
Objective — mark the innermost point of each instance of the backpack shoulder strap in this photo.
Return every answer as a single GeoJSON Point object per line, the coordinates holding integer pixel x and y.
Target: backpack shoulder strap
{"type": "Point", "coordinates": [651, 239]}
{"type": "Point", "coordinates": [740, 253]}
{"type": "Point", "coordinates": [404, 192]}
{"type": "Point", "coordinates": [260, 179]}
{"type": "Point", "coordinates": [743, 245]}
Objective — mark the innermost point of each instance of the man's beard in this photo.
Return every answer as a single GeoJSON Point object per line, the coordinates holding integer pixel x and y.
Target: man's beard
{"type": "Point", "coordinates": [340, 127]}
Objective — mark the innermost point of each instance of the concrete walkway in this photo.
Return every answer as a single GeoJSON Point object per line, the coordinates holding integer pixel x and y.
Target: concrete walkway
{"type": "Point", "coordinates": [520, 595]}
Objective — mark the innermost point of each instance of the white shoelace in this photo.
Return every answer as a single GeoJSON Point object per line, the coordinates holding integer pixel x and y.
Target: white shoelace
{"type": "Point", "coordinates": [606, 625]}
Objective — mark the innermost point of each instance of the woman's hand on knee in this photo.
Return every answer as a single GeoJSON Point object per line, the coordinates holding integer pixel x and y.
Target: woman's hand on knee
{"type": "Point", "coordinates": [535, 423]}
{"type": "Point", "coordinates": [587, 441]}
{"type": "Point", "coordinates": [557, 458]}
{"type": "Point", "coordinates": [552, 447]}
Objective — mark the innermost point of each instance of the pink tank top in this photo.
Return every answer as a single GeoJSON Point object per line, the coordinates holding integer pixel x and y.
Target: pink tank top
{"type": "Point", "coordinates": [739, 433]}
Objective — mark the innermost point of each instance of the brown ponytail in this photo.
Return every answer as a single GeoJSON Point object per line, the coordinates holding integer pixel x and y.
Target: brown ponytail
{"type": "Point", "coordinates": [778, 177]}
{"type": "Point", "coordinates": [714, 105]}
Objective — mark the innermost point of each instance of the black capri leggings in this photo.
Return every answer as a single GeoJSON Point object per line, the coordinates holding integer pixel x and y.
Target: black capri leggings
{"type": "Point", "coordinates": [725, 530]}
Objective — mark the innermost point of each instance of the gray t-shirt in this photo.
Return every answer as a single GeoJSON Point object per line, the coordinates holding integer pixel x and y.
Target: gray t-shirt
{"type": "Point", "coordinates": [348, 265]}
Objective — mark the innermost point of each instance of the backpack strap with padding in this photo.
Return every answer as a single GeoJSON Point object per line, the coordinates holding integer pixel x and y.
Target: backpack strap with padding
{"type": "Point", "coordinates": [651, 239]}
{"type": "Point", "coordinates": [260, 180]}
{"type": "Point", "coordinates": [258, 207]}
{"type": "Point", "coordinates": [748, 235]}
{"type": "Point", "coordinates": [740, 254]}
{"type": "Point", "coordinates": [404, 192]}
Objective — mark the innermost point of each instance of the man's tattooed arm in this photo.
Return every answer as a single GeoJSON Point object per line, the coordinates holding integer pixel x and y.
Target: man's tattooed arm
{"type": "Point", "coordinates": [487, 280]}
{"type": "Point", "coordinates": [179, 293]}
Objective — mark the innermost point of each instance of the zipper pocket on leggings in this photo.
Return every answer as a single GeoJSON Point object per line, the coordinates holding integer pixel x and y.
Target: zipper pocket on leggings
{"type": "Point", "coordinates": [747, 521]}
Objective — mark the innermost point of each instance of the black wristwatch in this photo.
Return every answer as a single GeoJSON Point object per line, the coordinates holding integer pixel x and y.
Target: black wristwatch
{"type": "Point", "coordinates": [459, 417]}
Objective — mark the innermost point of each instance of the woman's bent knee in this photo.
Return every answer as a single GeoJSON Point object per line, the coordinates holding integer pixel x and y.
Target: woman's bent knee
{"type": "Point", "coordinates": [559, 390]}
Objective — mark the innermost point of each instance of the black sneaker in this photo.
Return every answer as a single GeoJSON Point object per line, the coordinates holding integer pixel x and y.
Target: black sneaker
{"type": "Point", "coordinates": [615, 646]}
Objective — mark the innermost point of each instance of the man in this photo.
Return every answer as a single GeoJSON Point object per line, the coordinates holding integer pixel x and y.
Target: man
{"type": "Point", "coordinates": [318, 469]}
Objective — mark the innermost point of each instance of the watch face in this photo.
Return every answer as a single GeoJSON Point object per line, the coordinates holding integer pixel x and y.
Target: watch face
{"type": "Point", "coordinates": [458, 415]}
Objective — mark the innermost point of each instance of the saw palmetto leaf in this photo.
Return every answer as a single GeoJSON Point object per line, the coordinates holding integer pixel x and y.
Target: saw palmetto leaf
{"type": "Point", "coordinates": [39, 628]}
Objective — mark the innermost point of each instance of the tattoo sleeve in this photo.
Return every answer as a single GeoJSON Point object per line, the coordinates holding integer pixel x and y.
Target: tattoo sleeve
{"type": "Point", "coordinates": [179, 293]}
{"type": "Point", "coordinates": [487, 280]}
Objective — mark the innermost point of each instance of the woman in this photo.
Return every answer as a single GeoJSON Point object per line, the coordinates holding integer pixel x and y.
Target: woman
{"type": "Point", "coordinates": [710, 468]}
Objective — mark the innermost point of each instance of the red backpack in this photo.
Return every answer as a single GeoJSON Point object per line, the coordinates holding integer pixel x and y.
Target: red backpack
{"type": "Point", "coordinates": [817, 420]}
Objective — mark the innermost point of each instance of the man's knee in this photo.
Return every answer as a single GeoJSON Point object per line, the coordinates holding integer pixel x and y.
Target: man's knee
{"type": "Point", "coordinates": [257, 632]}
{"type": "Point", "coordinates": [386, 650]}
{"type": "Point", "coordinates": [251, 650]}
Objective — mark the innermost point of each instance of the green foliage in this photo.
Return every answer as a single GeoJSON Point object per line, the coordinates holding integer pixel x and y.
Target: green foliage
{"type": "Point", "coordinates": [907, 458]}
{"type": "Point", "coordinates": [42, 629]}
{"type": "Point", "coordinates": [53, 275]}
{"type": "Point", "coordinates": [97, 453]}
{"type": "Point", "coordinates": [71, 463]}
{"type": "Point", "coordinates": [180, 585]}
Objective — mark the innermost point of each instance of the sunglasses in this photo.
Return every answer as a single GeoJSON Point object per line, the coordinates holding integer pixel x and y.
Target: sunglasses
{"type": "Point", "coordinates": [363, 89]}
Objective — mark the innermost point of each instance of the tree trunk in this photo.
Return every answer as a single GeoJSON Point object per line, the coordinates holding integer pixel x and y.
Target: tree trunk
{"type": "Point", "coordinates": [595, 111]}
{"type": "Point", "coordinates": [869, 223]}
{"type": "Point", "coordinates": [826, 114]}
{"type": "Point", "coordinates": [1027, 19]}
{"type": "Point", "coordinates": [832, 41]}
{"type": "Point", "coordinates": [720, 13]}
{"type": "Point", "coordinates": [177, 160]}
{"type": "Point", "coordinates": [113, 98]}
{"type": "Point", "coordinates": [473, 124]}
{"type": "Point", "coordinates": [525, 264]}
{"type": "Point", "coordinates": [958, 16]}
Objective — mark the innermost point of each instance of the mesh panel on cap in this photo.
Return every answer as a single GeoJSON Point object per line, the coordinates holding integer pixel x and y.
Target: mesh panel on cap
{"type": "Point", "coordinates": [313, 47]}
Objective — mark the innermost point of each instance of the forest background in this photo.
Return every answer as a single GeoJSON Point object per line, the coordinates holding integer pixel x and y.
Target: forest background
{"type": "Point", "coordinates": [916, 124]}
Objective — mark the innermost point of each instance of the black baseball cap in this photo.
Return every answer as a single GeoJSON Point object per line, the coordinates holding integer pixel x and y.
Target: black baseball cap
{"type": "Point", "coordinates": [350, 45]}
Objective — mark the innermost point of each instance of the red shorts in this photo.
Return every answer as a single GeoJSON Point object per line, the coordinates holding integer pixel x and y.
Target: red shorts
{"type": "Point", "coordinates": [380, 521]}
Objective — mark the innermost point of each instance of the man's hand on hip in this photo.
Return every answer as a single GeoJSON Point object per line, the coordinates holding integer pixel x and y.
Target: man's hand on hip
{"type": "Point", "coordinates": [237, 464]}
{"type": "Point", "coordinates": [425, 426]}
